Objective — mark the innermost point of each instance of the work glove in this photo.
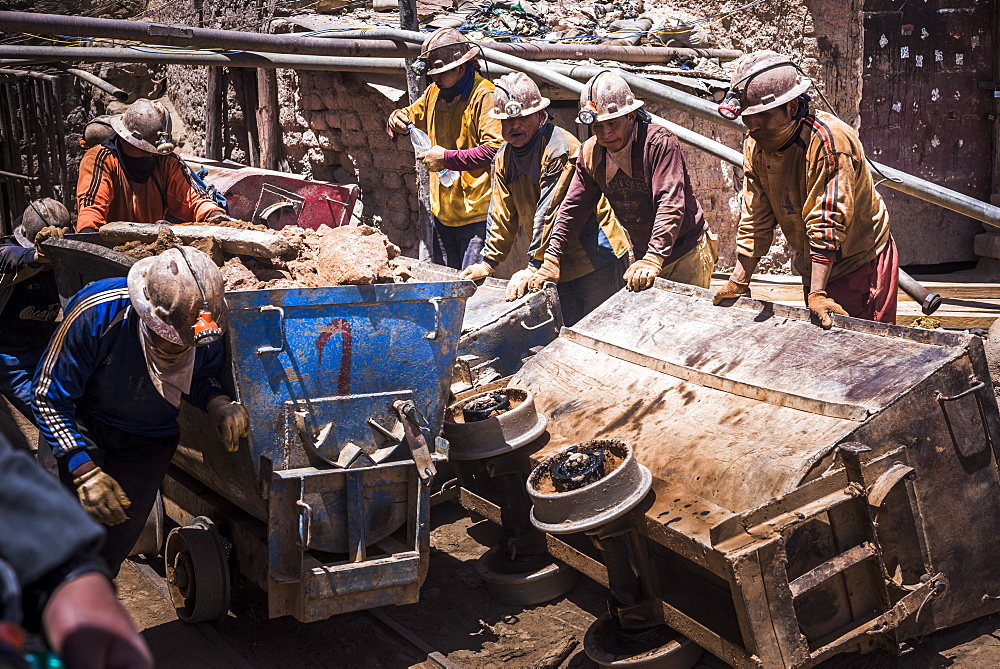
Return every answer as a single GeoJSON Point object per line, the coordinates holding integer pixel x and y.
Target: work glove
{"type": "Point", "coordinates": [230, 420]}
{"type": "Point", "coordinates": [432, 158]}
{"type": "Point", "coordinates": [822, 306]}
{"type": "Point", "coordinates": [549, 271]}
{"type": "Point", "coordinates": [218, 218]}
{"type": "Point", "coordinates": [642, 273]}
{"type": "Point", "coordinates": [731, 291]}
{"type": "Point", "coordinates": [517, 287]}
{"type": "Point", "coordinates": [399, 120]}
{"type": "Point", "coordinates": [478, 271]}
{"type": "Point", "coordinates": [48, 232]}
{"type": "Point", "coordinates": [102, 497]}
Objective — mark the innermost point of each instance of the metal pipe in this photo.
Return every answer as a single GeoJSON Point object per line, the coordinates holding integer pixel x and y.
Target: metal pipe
{"type": "Point", "coordinates": [189, 37]}
{"type": "Point", "coordinates": [99, 83]}
{"type": "Point", "coordinates": [345, 45]}
{"type": "Point", "coordinates": [928, 301]}
{"type": "Point", "coordinates": [549, 50]}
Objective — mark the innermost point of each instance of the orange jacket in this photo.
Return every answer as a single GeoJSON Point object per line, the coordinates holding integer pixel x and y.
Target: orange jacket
{"type": "Point", "coordinates": [104, 193]}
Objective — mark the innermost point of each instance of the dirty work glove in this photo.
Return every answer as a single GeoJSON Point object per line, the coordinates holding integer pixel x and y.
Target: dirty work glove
{"type": "Point", "coordinates": [48, 232]}
{"type": "Point", "coordinates": [822, 306]}
{"type": "Point", "coordinates": [102, 497]}
{"type": "Point", "coordinates": [230, 420]}
{"type": "Point", "coordinates": [731, 291]}
{"type": "Point", "coordinates": [218, 218]}
{"type": "Point", "coordinates": [642, 273]}
{"type": "Point", "coordinates": [398, 120]}
{"type": "Point", "coordinates": [477, 272]}
{"type": "Point", "coordinates": [517, 287]}
{"type": "Point", "coordinates": [549, 271]}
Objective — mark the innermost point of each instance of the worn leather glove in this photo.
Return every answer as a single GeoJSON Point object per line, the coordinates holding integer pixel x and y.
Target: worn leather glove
{"type": "Point", "coordinates": [230, 420]}
{"type": "Point", "coordinates": [642, 273]}
{"type": "Point", "coordinates": [517, 287]}
{"type": "Point", "coordinates": [102, 497]}
{"type": "Point", "coordinates": [822, 306]}
{"type": "Point", "coordinates": [48, 232]}
{"type": "Point", "coordinates": [549, 271]}
{"type": "Point", "coordinates": [398, 120]}
{"type": "Point", "coordinates": [478, 271]}
{"type": "Point", "coordinates": [731, 291]}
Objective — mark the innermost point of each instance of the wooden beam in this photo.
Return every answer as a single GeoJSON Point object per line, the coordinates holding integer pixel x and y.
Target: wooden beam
{"type": "Point", "coordinates": [268, 125]}
{"type": "Point", "coordinates": [215, 103]}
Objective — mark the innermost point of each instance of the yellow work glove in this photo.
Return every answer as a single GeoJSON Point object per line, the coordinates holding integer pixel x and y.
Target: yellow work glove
{"type": "Point", "coordinates": [230, 420]}
{"type": "Point", "coordinates": [822, 306]}
{"type": "Point", "coordinates": [48, 232]}
{"type": "Point", "coordinates": [549, 271]}
{"type": "Point", "coordinates": [642, 273]}
{"type": "Point", "coordinates": [517, 287]}
{"type": "Point", "coordinates": [398, 120]}
{"type": "Point", "coordinates": [477, 272]}
{"type": "Point", "coordinates": [102, 497]}
{"type": "Point", "coordinates": [731, 291]}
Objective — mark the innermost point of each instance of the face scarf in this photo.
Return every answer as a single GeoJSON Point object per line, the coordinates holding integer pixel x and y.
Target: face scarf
{"type": "Point", "coordinates": [777, 139]}
{"type": "Point", "coordinates": [137, 170]}
{"type": "Point", "coordinates": [170, 372]}
{"type": "Point", "coordinates": [464, 86]}
{"type": "Point", "coordinates": [528, 158]}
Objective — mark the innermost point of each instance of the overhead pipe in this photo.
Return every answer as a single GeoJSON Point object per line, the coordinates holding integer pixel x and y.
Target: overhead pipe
{"type": "Point", "coordinates": [98, 83]}
{"type": "Point", "coordinates": [344, 45]}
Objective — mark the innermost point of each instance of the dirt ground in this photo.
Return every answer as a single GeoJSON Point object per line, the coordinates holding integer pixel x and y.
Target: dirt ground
{"type": "Point", "coordinates": [457, 618]}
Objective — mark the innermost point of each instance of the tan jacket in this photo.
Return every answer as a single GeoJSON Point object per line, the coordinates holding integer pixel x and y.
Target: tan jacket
{"type": "Point", "coordinates": [531, 202]}
{"type": "Point", "coordinates": [820, 192]}
{"type": "Point", "coordinates": [461, 124]}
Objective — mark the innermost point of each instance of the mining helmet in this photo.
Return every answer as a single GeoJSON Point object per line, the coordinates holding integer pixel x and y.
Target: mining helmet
{"type": "Point", "coordinates": [146, 126]}
{"type": "Point", "coordinates": [516, 95]}
{"type": "Point", "coordinates": [606, 96]}
{"type": "Point", "coordinates": [37, 215]}
{"type": "Point", "coordinates": [763, 80]}
{"type": "Point", "coordinates": [179, 295]}
{"type": "Point", "coordinates": [445, 50]}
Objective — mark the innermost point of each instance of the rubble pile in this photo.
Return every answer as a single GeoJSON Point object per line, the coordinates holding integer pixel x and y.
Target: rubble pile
{"type": "Point", "coordinates": [326, 256]}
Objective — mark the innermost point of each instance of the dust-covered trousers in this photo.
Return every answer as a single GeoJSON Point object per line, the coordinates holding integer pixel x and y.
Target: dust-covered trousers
{"type": "Point", "coordinates": [138, 463]}
{"type": "Point", "coordinates": [459, 246]}
{"type": "Point", "coordinates": [694, 267]}
{"type": "Point", "coordinates": [869, 292]}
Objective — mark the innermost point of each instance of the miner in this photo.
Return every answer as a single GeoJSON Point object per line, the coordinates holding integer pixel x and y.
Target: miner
{"type": "Point", "coordinates": [134, 175]}
{"type": "Point", "coordinates": [29, 300]}
{"type": "Point", "coordinates": [454, 112]}
{"type": "Point", "coordinates": [109, 387]}
{"type": "Point", "coordinates": [805, 171]}
{"type": "Point", "coordinates": [532, 173]}
{"type": "Point", "coordinates": [639, 167]}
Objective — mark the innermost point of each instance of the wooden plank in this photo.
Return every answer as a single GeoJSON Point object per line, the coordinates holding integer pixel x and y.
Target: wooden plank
{"type": "Point", "coordinates": [214, 112]}
{"type": "Point", "coordinates": [831, 568]}
{"type": "Point", "coordinates": [793, 645]}
{"type": "Point", "coordinates": [268, 126]}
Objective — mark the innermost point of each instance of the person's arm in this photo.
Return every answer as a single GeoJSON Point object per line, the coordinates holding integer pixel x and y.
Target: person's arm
{"type": "Point", "coordinates": [828, 208]}
{"type": "Point", "coordinates": [228, 417]}
{"type": "Point", "coordinates": [485, 131]}
{"type": "Point", "coordinates": [207, 365]}
{"type": "Point", "coordinates": [502, 222]}
{"type": "Point", "coordinates": [556, 177]}
{"type": "Point", "coordinates": [17, 264]}
{"type": "Point", "coordinates": [581, 198]}
{"type": "Point", "coordinates": [414, 114]}
{"type": "Point", "coordinates": [94, 189]}
{"type": "Point", "coordinates": [185, 200]}
{"type": "Point", "coordinates": [62, 374]}
{"type": "Point", "coordinates": [667, 177]}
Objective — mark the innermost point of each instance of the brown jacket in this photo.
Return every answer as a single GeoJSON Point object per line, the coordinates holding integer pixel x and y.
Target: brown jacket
{"type": "Point", "coordinates": [656, 206]}
{"type": "Point", "coordinates": [819, 191]}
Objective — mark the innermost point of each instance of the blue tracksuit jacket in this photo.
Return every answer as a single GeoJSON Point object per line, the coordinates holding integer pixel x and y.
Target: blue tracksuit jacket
{"type": "Point", "coordinates": [95, 363]}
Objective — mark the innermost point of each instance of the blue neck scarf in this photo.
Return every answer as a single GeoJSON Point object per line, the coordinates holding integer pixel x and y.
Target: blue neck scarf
{"type": "Point", "coordinates": [464, 86]}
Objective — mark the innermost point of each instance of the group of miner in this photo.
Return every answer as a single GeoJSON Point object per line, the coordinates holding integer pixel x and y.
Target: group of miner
{"type": "Point", "coordinates": [619, 210]}
{"type": "Point", "coordinates": [103, 377]}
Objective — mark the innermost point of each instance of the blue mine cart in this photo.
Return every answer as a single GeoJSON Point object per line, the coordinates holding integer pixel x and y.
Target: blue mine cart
{"type": "Point", "coordinates": [325, 507]}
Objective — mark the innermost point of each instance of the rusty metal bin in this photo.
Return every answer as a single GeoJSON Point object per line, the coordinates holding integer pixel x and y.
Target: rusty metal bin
{"type": "Point", "coordinates": [814, 491]}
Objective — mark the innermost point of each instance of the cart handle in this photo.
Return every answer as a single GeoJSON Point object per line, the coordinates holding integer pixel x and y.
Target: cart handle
{"type": "Point", "coordinates": [263, 350]}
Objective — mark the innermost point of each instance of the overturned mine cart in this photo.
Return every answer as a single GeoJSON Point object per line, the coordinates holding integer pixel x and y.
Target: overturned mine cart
{"type": "Point", "coordinates": [773, 492]}
{"type": "Point", "coordinates": [325, 507]}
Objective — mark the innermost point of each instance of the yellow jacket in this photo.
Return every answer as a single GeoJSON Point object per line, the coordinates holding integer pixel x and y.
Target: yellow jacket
{"type": "Point", "coordinates": [460, 124]}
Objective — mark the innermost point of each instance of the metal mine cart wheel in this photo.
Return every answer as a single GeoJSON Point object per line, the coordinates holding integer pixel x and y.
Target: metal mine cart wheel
{"type": "Point", "coordinates": [657, 648]}
{"type": "Point", "coordinates": [198, 572]}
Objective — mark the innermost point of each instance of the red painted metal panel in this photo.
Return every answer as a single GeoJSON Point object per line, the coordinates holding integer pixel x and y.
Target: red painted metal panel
{"type": "Point", "coordinates": [923, 112]}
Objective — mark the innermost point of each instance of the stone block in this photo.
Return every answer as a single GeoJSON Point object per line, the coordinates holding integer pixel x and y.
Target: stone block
{"type": "Point", "coordinates": [987, 245]}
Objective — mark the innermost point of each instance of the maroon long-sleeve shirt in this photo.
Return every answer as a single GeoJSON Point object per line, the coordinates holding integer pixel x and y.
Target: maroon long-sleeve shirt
{"type": "Point", "coordinates": [656, 205]}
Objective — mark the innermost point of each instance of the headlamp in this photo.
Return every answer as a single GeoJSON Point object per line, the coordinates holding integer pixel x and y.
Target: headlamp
{"type": "Point", "coordinates": [206, 330]}
{"type": "Point", "coordinates": [587, 115]}
{"type": "Point", "coordinates": [730, 107]}
{"type": "Point", "coordinates": [513, 108]}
